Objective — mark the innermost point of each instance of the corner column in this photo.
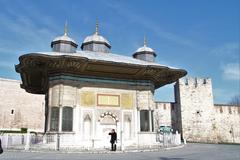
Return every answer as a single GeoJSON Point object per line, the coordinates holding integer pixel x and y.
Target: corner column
{"type": "Point", "coordinates": [60, 119]}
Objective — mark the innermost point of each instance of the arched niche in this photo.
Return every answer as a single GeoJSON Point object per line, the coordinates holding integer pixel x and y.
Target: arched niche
{"type": "Point", "coordinates": [87, 127]}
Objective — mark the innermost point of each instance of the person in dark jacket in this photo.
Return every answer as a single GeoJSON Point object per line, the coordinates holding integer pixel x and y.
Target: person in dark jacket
{"type": "Point", "coordinates": [1, 150]}
{"type": "Point", "coordinates": [113, 140]}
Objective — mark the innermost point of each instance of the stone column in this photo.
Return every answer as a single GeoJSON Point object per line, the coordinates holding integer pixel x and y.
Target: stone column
{"type": "Point", "coordinates": [49, 118]}
{"type": "Point", "coordinates": [93, 128]}
{"type": "Point", "coordinates": [28, 137]}
{"type": "Point", "coordinates": [60, 119]}
{"type": "Point", "coordinates": [74, 118]}
{"type": "Point", "coordinates": [150, 120]}
{"type": "Point", "coordinates": [81, 123]}
{"type": "Point", "coordinates": [138, 125]}
{"type": "Point", "coordinates": [122, 131]}
{"type": "Point", "coordinates": [60, 98]}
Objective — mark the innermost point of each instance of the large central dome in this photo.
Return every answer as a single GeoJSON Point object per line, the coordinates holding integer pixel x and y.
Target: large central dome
{"type": "Point", "coordinates": [96, 43]}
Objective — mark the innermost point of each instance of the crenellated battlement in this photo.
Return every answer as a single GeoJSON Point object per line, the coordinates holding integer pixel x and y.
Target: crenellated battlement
{"type": "Point", "coordinates": [227, 109]}
{"type": "Point", "coordinates": [191, 81]}
{"type": "Point", "coordinates": [194, 92]}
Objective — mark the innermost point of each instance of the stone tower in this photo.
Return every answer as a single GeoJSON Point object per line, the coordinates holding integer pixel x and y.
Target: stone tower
{"type": "Point", "coordinates": [195, 109]}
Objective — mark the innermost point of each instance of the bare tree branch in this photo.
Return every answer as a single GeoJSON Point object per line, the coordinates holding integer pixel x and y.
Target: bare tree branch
{"type": "Point", "coordinates": [235, 100]}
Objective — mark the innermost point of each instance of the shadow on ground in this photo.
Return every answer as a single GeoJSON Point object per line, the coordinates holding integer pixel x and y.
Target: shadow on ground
{"type": "Point", "coordinates": [165, 158]}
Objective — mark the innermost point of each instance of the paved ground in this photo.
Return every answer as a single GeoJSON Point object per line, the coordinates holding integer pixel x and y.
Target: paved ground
{"type": "Point", "coordinates": [189, 152]}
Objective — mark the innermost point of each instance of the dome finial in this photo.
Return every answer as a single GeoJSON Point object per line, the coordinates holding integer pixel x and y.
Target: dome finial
{"type": "Point", "coordinates": [64, 43]}
{"type": "Point", "coordinates": [65, 29]}
{"type": "Point", "coordinates": [145, 41]}
{"type": "Point", "coordinates": [97, 25]}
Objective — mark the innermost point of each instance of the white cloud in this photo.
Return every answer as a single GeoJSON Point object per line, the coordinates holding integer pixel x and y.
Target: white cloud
{"type": "Point", "coordinates": [231, 71]}
{"type": "Point", "coordinates": [227, 49]}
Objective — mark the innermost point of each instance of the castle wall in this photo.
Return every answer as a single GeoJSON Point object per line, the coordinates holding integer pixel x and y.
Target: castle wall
{"type": "Point", "coordinates": [199, 119]}
{"type": "Point", "coordinates": [166, 115]}
{"type": "Point", "coordinates": [163, 115]}
{"type": "Point", "coordinates": [227, 123]}
{"type": "Point", "coordinates": [195, 100]}
{"type": "Point", "coordinates": [20, 109]}
{"type": "Point", "coordinates": [193, 114]}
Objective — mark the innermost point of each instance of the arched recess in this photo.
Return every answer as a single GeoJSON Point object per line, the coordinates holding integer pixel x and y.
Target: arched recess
{"type": "Point", "coordinates": [108, 115]}
{"type": "Point", "coordinates": [87, 127]}
{"type": "Point", "coordinates": [127, 127]}
{"type": "Point", "coordinates": [107, 121]}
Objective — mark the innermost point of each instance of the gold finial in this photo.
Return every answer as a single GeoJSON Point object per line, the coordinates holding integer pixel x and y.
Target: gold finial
{"type": "Point", "coordinates": [145, 41]}
{"type": "Point", "coordinates": [97, 25]}
{"type": "Point", "coordinates": [65, 29]}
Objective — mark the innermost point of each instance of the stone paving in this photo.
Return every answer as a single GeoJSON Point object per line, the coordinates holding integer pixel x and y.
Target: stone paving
{"type": "Point", "coordinates": [188, 152]}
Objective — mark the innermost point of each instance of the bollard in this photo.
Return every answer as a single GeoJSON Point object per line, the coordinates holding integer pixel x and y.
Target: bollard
{"type": "Point", "coordinates": [58, 142]}
{"type": "Point", "coordinates": [121, 138]}
{"type": "Point", "coordinates": [27, 145]}
{"type": "Point", "coordinates": [184, 141]}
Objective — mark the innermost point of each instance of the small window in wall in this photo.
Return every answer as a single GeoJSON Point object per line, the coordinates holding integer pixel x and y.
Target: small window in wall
{"type": "Point", "coordinates": [144, 121]}
{"type": "Point", "coordinates": [204, 81]}
{"type": "Point", "coordinates": [54, 119]}
{"type": "Point", "coordinates": [12, 112]}
{"type": "Point", "coordinates": [67, 119]}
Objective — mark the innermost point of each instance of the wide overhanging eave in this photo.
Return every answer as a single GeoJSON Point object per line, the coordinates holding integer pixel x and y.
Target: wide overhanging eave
{"type": "Point", "coordinates": [35, 69]}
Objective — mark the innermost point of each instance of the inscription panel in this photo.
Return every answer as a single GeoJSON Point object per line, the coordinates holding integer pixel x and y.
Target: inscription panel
{"type": "Point", "coordinates": [108, 100]}
{"type": "Point", "coordinates": [87, 99]}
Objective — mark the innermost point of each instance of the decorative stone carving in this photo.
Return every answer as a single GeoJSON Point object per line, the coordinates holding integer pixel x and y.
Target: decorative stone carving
{"type": "Point", "coordinates": [127, 101]}
{"type": "Point", "coordinates": [87, 99]}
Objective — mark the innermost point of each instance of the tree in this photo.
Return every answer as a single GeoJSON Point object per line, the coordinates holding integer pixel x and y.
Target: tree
{"type": "Point", "coordinates": [235, 100]}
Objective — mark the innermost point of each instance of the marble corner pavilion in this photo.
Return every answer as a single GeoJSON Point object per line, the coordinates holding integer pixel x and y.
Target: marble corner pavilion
{"type": "Point", "coordinates": [91, 91]}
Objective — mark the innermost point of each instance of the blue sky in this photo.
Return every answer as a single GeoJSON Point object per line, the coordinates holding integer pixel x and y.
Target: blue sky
{"type": "Point", "coordinates": [201, 36]}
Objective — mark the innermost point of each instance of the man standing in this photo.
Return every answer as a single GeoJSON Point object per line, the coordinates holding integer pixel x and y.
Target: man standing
{"type": "Point", "coordinates": [113, 140]}
{"type": "Point", "coordinates": [1, 150]}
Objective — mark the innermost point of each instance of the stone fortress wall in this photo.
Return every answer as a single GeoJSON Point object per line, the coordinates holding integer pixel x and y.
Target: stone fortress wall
{"type": "Point", "coordinates": [193, 113]}
{"type": "Point", "coordinates": [199, 119]}
{"type": "Point", "coordinates": [227, 123]}
{"type": "Point", "coordinates": [19, 109]}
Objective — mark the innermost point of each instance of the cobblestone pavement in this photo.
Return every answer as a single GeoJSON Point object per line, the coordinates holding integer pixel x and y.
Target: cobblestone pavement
{"type": "Point", "coordinates": [188, 152]}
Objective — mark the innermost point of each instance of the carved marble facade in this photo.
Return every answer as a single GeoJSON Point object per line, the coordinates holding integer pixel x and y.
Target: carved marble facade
{"type": "Point", "coordinates": [92, 109]}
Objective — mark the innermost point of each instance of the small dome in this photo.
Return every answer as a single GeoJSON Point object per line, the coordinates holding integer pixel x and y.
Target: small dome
{"type": "Point", "coordinates": [64, 43]}
{"type": "Point", "coordinates": [64, 38]}
{"type": "Point", "coordinates": [96, 43]}
{"type": "Point", "coordinates": [144, 49]}
{"type": "Point", "coordinates": [96, 38]}
{"type": "Point", "coordinates": [145, 53]}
